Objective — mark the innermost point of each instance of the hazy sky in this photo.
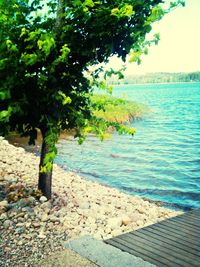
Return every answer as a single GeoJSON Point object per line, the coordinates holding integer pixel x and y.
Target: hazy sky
{"type": "Point", "coordinates": [179, 47]}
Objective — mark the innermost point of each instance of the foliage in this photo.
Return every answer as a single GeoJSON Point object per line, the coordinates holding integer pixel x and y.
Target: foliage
{"type": "Point", "coordinates": [47, 47]}
{"type": "Point", "coordinates": [117, 109]}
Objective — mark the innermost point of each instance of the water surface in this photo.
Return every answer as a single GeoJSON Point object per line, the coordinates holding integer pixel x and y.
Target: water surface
{"type": "Point", "coordinates": [162, 161]}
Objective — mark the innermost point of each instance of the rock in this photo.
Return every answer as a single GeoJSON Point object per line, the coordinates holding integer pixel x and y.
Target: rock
{"type": "Point", "coordinates": [139, 223]}
{"type": "Point", "coordinates": [46, 205]}
{"type": "Point", "coordinates": [36, 225]}
{"type": "Point", "coordinates": [3, 217]}
{"type": "Point", "coordinates": [142, 209]}
{"type": "Point", "coordinates": [91, 220]}
{"type": "Point", "coordinates": [84, 205]}
{"type": "Point", "coordinates": [20, 230]}
{"type": "Point", "coordinates": [22, 203]}
{"type": "Point", "coordinates": [28, 224]}
{"type": "Point", "coordinates": [54, 219]}
{"type": "Point", "coordinates": [7, 224]}
{"type": "Point", "coordinates": [114, 223]}
{"type": "Point", "coordinates": [4, 142]}
{"type": "Point", "coordinates": [28, 237]}
{"type": "Point", "coordinates": [41, 236]}
{"type": "Point", "coordinates": [126, 220]}
{"type": "Point", "coordinates": [43, 199]}
{"type": "Point", "coordinates": [116, 232]}
{"type": "Point", "coordinates": [31, 200]}
{"type": "Point", "coordinates": [136, 216]}
{"type": "Point", "coordinates": [44, 218]}
{"type": "Point", "coordinates": [19, 224]}
{"type": "Point", "coordinates": [4, 204]}
{"type": "Point", "coordinates": [21, 214]}
{"type": "Point", "coordinates": [20, 243]}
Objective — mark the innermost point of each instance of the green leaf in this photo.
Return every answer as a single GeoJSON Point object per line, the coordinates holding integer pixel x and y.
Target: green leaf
{"type": "Point", "coordinates": [4, 95]}
{"type": "Point", "coordinates": [65, 50]}
{"type": "Point", "coordinates": [29, 59]}
{"type": "Point", "coordinates": [124, 11]}
{"type": "Point", "coordinates": [46, 44]}
{"type": "Point", "coordinates": [65, 99]}
{"type": "Point", "coordinates": [89, 3]}
{"type": "Point", "coordinates": [135, 56]}
{"type": "Point", "coordinates": [24, 31]}
{"type": "Point", "coordinates": [156, 14]}
{"type": "Point", "coordinates": [5, 114]}
{"type": "Point", "coordinates": [76, 3]}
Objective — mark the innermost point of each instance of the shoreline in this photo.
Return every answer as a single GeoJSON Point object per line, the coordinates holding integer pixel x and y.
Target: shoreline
{"type": "Point", "coordinates": [32, 228]}
{"type": "Point", "coordinates": [17, 141]}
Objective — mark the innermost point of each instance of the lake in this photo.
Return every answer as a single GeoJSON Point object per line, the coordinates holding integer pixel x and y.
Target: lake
{"type": "Point", "coordinates": [162, 161]}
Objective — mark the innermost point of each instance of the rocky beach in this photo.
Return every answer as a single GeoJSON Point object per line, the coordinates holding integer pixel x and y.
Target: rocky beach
{"type": "Point", "coordinates": [31, 228]}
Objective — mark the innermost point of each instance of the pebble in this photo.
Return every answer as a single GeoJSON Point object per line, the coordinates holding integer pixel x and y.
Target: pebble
{"type": "Point", "coordinates": [54, 219]}
{"type": "Point", "coordinates": [43, 199]}
{"type": "Point", "coordinates": [7, 224]}
{"type": "Point", "coordinates": [4, 203]}
{"type": "Point", "coordinates": [3, 216]}
{"type": "Point", "coordinates": [114, 223]}
{"type": "Point", "coordinates": [44, 218]}
{"type": "Point", "coordinates": [36, 224]}
{"type": "Point", "coordinates": [41, 236]}
{"type": "Point", "coordinates": [126, 220]}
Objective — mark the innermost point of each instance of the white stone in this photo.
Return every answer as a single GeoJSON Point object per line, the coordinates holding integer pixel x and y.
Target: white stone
{"type": "Point", "coordinates": [126, 220]}
{"type": "Point", "coordinates": [116, 232]}
{"type": "Point", "coordinates": [114, 223]}
{"type": "Point", "coordinates": [41, 236]}
{"type": "Point", "coordinates": [44, 218]}
{"type": "Point", "coordinates": [43, 199]}
{"type": "Point", "coordinates": [4, 204]}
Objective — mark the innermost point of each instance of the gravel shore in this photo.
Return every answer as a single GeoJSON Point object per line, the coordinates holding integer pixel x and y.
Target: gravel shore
{"type": "Point", "coordinates": [32, 227]}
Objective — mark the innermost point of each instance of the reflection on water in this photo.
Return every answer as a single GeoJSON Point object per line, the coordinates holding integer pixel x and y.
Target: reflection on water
{"type": "Point", "coordinates": [162, 161]}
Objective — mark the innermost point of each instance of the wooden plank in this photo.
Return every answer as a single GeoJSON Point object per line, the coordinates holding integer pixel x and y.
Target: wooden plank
{"type": "Point", "coordinates": [172, 242]}
{"type": "Point", "coordinates": [181, 233]}
{"type": "Point", "coordinates": [180, 224]}
{"type": "Point", "coordinates": [192, 215]}
{"type": "Point", "coordinates": [136, 253]}
{"type": "Point", "coordinates": [195, 217]}
{"type": "Point", "coordinates": [143, 252]}
{"type": "Point", "coordinates": [149, 251]}
{"type": "Point", "coordinates": [166, 245]}
{"type": "Point", "coordinates": [176, 227]}
{"type": "Point", "coordinates": [161, 249]}
{"type": "Point", "coordinates": [171, 239]}
{"type": "Point", "coordinates": [188, 222]}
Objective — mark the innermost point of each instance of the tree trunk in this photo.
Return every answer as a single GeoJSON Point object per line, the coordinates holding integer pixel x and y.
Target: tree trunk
{"type": "Point", "coordinates": [45, 178]}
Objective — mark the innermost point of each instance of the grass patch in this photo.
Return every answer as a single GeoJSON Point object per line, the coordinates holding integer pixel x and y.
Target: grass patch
{"type": "Point", "coordinates": [117, 109]}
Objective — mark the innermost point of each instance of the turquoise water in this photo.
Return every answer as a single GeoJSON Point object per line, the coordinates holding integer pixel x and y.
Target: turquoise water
{"type": "Point", "coordinates": [162, 161]}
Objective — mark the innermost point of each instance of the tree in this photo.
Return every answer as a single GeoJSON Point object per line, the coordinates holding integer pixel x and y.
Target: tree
{"type": "Point", "coordinates": [46, 50]}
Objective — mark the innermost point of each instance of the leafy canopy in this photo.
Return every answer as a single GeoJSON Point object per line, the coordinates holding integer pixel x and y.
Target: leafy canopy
{"type": "Point", "coordinates": [46, 49]}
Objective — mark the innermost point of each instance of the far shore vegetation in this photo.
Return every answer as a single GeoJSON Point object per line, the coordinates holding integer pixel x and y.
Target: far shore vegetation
{"type": "Point", "coordinates": [159, 77]}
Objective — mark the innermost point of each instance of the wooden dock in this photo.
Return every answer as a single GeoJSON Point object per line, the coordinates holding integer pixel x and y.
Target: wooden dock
{"type": "Point", "coordinates": [172, 242]}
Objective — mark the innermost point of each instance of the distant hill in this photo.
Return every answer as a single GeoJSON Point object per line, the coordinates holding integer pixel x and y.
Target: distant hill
{"type": "Point", "coordinates": [159, 77]}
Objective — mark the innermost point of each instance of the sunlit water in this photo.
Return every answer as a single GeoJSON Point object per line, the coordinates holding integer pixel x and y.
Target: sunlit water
{"type": "Point", "coordinates": [162, 161]}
